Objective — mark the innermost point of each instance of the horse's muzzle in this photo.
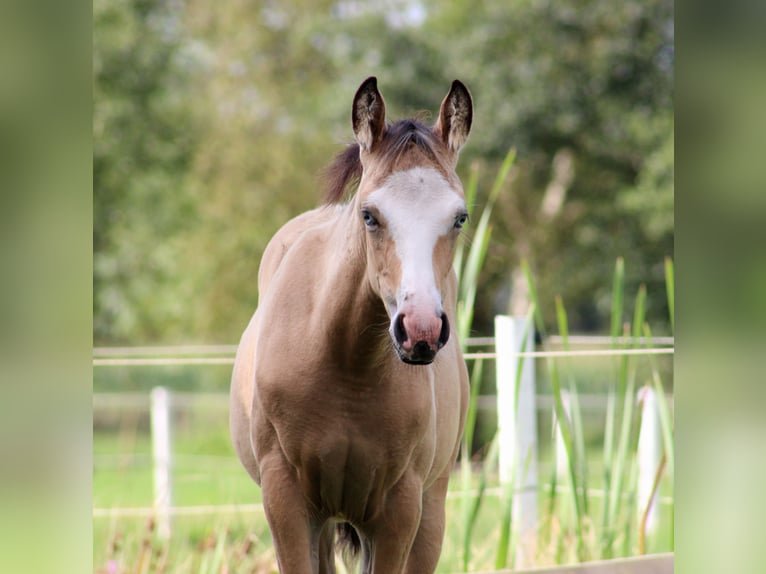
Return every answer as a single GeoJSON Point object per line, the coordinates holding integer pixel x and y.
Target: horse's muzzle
{"type": "Point", "coordinates": [419, 345]}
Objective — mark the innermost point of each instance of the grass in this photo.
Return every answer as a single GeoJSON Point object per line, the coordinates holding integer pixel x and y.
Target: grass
{"type": "Point", "coordinates": [207, 473]}
{"type": "Point", "coordinates": [127, 543]}
{"type": "Point", "coordinates": [123, 477]}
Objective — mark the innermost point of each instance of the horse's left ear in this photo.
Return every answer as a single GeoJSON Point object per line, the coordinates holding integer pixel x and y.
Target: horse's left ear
{"type": "Point", "coordinates": [455, 116]}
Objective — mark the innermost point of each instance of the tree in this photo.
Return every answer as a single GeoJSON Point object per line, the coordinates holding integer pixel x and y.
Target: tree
{"type": "Point", "coordinates": [593, 83]}
{"type": "Point", "coordinates": [143, 143]}
{"type": "Point", "coordinates": [213, 122]}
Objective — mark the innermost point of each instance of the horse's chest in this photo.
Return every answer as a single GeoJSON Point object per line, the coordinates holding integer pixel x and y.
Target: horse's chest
{"type": "Point", "coordinates": [348, 476]}
{"type": "Point", "coordinates": [351, 442]}
{"type": "Point", "coordinates": [388, 419]}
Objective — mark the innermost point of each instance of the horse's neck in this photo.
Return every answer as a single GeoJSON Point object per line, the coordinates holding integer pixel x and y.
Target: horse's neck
{"type": "Point", "coordinates": [356, 321]}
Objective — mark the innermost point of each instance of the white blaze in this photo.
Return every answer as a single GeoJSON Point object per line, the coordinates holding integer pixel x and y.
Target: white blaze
{"type": "Point", "coordinates": [418, 206]}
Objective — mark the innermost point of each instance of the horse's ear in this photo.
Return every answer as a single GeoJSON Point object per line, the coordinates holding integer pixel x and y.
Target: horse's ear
{"type": "Point", "coordinates": [368, 114]}
{"type": "Point", "coordinates": [455, 116]}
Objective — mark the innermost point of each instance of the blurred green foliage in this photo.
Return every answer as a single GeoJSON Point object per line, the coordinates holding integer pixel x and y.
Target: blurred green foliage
{"type": "Point", "coordinates": [212, 122]}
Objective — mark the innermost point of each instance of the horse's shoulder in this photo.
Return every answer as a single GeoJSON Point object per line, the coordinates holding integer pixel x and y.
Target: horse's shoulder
{"type": "Point", "coordinates": [285, 238]}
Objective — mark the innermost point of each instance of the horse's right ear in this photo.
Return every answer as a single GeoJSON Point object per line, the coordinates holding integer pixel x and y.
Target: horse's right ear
{"type": "Point", "coordinates": [368, 114]}
{"type": "Point", "coordinates": [455, 117]}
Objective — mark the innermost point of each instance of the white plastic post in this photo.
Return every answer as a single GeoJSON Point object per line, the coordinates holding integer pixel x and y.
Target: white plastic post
{"type": "Point", "coordinates": [160, 399]}
{"type": "Point", "coordinates": [517, 428]}
{"type": "Point", "coordinates": [649, 455]}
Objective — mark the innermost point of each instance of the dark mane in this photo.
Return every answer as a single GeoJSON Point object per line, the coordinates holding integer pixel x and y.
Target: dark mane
{"type": "Point", "coordinates": [343, 172]}
{"type": "Point", "coordinates": [346, 169]}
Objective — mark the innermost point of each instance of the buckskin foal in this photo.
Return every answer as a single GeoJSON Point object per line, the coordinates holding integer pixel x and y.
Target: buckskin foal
{"type": "Point", "coordinates": [348, 395]}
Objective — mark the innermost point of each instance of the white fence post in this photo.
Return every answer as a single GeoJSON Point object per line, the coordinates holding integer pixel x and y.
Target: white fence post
{"type": "Point", "coordinates": [160, 399]}
{"type": "Point", "coordinates": [649, 455]}
{"type": "Point", "coordinates": [517, 428]}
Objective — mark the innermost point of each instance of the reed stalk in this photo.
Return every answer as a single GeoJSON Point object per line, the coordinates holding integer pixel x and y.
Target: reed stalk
{"type": "Point", "coordinates": [618, 292]}
{"type": "Point", "coordinates": [468, 271]}
{"type": "Point", "coordinates": [670, 289]}
{"type": "Point", "coordinates": [467, 268]}
{"type": "Point", "coordinates": [627, 434]}
{"type": "Point", "coordinates": [564, 424]}
{"type": "Point", "coordinates": [473, 504]}
{"type": "Point", "coordinates": [622, 523]}
{"type": "Point", "coordinates": [645, 511]}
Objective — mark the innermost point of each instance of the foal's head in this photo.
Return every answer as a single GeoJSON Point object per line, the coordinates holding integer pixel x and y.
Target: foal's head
{"type": "Point", "coordinates": [411, 207]}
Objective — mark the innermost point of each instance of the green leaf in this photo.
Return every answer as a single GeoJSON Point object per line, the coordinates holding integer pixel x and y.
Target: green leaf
{"type": "Point", "coordinates": [666, 419]}
{"type": "Point", "coordinates": [670, 288]}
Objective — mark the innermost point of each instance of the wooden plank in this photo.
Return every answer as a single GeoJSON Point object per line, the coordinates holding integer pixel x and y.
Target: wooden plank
{"type": "Point", "coordinates": [654, 564]}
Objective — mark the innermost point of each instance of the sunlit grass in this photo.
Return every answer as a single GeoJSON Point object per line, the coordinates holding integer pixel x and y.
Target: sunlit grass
{"type": "Point", "coordinates": [129, 542]}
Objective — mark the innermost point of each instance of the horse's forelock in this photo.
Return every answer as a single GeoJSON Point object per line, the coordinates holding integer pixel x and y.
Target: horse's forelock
{"type": "Point", "coordinates": [346, 169]}
{"type": "Point", "coordinates": [409, 133]}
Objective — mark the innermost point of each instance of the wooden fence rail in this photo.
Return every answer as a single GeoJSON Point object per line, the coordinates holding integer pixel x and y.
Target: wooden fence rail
{"type": "Point", "coordinates": [653, 564]}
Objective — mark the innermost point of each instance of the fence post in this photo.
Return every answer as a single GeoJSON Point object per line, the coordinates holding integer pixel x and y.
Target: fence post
{"type": "Point", "coordinates": [517, 428]}
{"type": "Point", "coordinates": [649, 455]}
{"type": "Point", "coordinates": [160, 400]}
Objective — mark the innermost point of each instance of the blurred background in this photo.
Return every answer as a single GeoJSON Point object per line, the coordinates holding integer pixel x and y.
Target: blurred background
{"type": "Point", "coordinates": [213, 121]}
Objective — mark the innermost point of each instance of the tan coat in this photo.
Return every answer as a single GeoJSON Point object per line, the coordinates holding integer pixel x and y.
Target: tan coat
{"type": "Point", "coordinates": [348, 394]}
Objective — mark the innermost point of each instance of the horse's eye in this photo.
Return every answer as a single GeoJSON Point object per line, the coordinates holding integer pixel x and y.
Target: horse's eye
{"type": "Point", "coordinates": [461, 220]}
{"type": "Point", "coordinates": [369, 220]}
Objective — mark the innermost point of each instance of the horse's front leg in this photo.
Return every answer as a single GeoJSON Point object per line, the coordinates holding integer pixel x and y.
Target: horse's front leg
{"type": "Point", "coordinates": [293, 529]}
{"type": "Point", "coordinates": [392, 533]}
{"type": "Point", "coordinates": [426, 549]}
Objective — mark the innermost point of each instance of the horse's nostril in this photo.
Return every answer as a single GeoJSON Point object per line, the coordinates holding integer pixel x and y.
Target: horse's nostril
{"type": "Point", "coordinates": [399, 332]}
{"type": "Point", "coordinates": [444, 333]}
{"type": "Point", "coordinates": [421, 349]}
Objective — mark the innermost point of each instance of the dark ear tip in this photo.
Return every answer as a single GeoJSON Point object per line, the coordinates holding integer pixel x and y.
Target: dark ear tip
{"type": "Point", "coordinates": [370, 83]}
{"type": "Point", "coordinates": [458, 86]}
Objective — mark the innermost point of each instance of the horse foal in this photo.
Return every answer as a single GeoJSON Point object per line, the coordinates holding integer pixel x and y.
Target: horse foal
{"type": "Point", "coordinates": [349, 393]}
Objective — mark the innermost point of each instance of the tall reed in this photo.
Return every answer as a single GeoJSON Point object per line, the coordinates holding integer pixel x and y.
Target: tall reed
{"type": "Point", "coordinates": [565, 427]}
{"type": "Point", "coordinates": [467, 267]}
{"type": "Point", "coordinates": [620, 521]}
